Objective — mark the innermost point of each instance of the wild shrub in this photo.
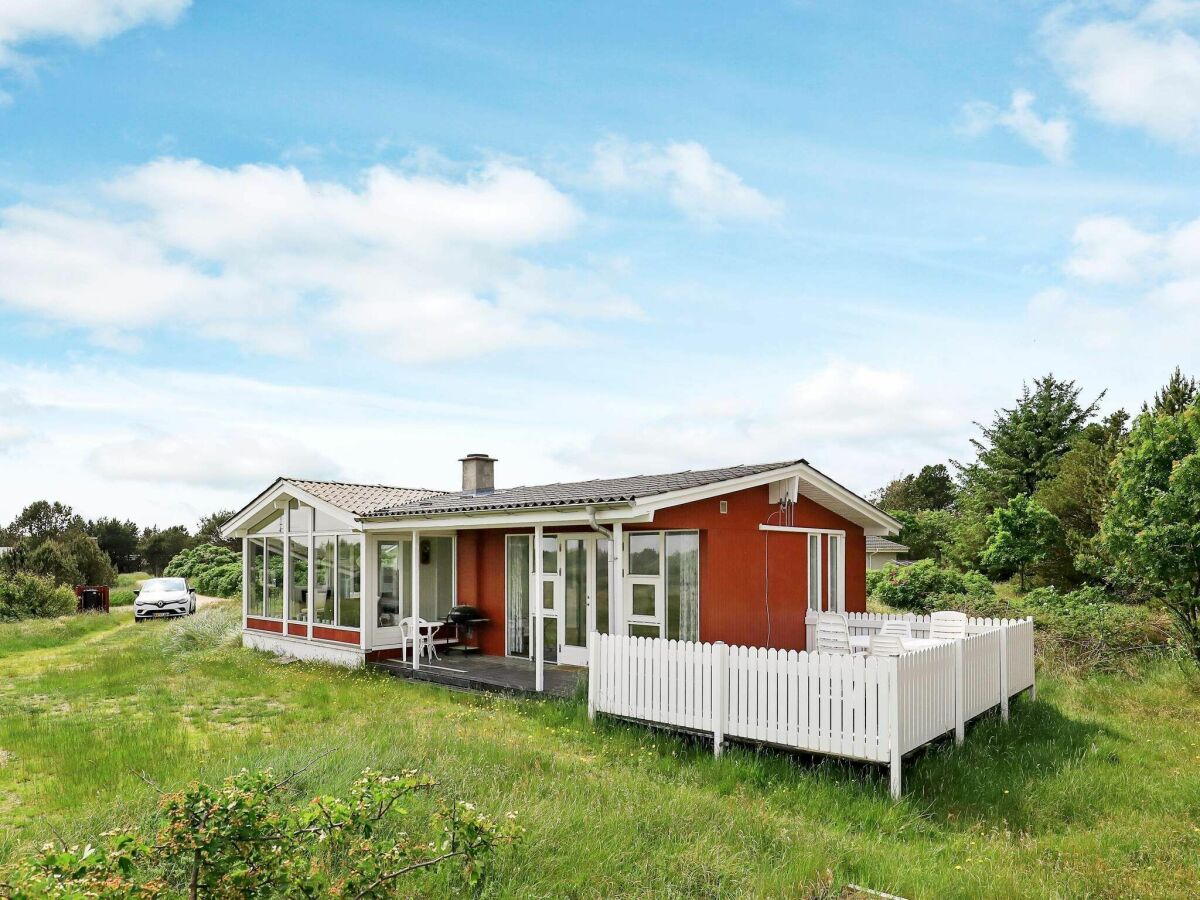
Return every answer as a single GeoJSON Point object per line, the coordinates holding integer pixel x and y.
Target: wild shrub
{"type": "Point", "coordinates": [26, 596]}
{"type": "Point", "coordinates": [925, 586]}
{"type": "Point", "coordinates": [244, 838]}
{"type": "Point", "coordinates": [213, 570]}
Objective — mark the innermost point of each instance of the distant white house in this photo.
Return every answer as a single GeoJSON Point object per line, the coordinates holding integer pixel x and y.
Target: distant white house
{"type": "Point", "coordinates": [882, 552]}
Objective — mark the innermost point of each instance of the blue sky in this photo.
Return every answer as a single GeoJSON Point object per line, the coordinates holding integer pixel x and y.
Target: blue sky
{"type": "Point", "coordinates": [357, 240]}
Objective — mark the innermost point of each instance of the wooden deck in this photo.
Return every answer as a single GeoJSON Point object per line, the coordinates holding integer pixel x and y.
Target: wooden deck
{"type": "Point", "coordinates": [487, 674]}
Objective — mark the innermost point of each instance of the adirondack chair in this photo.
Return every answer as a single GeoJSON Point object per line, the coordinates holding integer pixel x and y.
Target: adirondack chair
{"type": "Point", "coordinates": [886, 645]}
{"type": "Point", "coordinates": [897, 627]}
{"type": "Point", "coordinates": [946, 625]}
{"type": "Point", "coordinates": [833, 634]}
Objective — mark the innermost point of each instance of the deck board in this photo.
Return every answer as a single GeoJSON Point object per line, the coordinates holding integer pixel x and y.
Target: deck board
{"type": "Point", "coordinates": [486, 674]}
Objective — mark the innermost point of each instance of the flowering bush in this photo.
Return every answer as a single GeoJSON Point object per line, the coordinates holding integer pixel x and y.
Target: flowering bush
{"type": "Point", "coordinates": [240, 839]}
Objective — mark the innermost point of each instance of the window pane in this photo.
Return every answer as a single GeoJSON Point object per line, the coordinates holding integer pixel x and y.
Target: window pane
{"type": "Point", "coordinates": [643, 553]}
{"type": "Point", "coordinates": [298, 597]}
{"type": "Point", "coordinates": [547, 595]}
{"type": "Point", "coordinates": [643, 600]}
{"type": "Point", "coordinates": [349, 580]}
{"type": "Point", "coordinates": [323, 572]}
{"type": "Point", "coordinates": [270, 524]}
{"type": "Point", "coordinates": [254, 604]}
{"type": "Point", "coordinates": [325, 522]}
{"type": "Point", "coordinates": [683, 586]}
{"type": "Point", "coordinates": [517, 593]}
{"type": "Point", "coordinates": [300, 519]}
{"type": "Point", "coordinates": [387, 609]}
{"type": "Point", "coordinates": [640, 629]}
{"type": "Point", "coordinates": [274, 578]}
{"type": "Point", "coordinates": [575, 578]}
{"type": "Point", "coordinates": [603, 564]}
{"type": "Point", "coordinates": [814, 572]}
{"type": "Point", "coordinates": [550, 638]}
{"type": "Point", "coordinates": [437, 577]}
{"type": "Point", "coordinates": [833, 593]}
{"type": "Point", "coordinates": [550, 555]}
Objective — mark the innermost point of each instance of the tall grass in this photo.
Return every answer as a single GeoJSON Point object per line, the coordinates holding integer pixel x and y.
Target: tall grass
{"type": "Point", "coordinates": [1091, 791]}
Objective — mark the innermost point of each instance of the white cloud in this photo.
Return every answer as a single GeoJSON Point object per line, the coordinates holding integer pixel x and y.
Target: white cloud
{"type": "Point", "coordinates": [82, 22]}
{"type": "Point", "coordinates": [696, 184]}
{"type": "Point", "coordinates": [1139, 69]}
{"type": "Point", "coordinates": [245, 461]}
{"type": "Point", "coordinates": [1108, 249]}
{"type": "Point", "coordinates": [851, 420]}
{"type": "Point", "coordinates": [411, 266]}
{"type": "Point", "coordinates": [13, 436]}
{"type": "Point", "coordinates": [1050, 137]}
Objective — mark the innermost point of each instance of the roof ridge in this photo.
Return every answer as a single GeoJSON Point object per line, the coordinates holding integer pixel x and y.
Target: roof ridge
{"type": "Point", "coordinates": [390, 487]}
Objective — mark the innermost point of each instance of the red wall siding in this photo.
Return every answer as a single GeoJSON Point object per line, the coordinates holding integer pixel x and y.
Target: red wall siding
{"type": "Point", "coordinates": [265, 625]}
{"type": "Point", "coordinates": [297, 630]}
{"type": "Point", "coordinates": [341, 635]}
{"type": "Point", "coordinates": [743, 571]}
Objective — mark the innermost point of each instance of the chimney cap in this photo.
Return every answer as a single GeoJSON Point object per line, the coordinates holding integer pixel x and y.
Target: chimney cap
{"type": "Point", "coordinates": [477, 456]}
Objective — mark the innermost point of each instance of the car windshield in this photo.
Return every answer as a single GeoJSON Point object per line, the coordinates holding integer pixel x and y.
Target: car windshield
{"type": "Point", "coordinates": [163, 584]}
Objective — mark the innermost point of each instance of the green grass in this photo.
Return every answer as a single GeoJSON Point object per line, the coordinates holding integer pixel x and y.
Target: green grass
{"type": "Point", "coordinates": [130, 580]}
{"type": "Point", "coordinates": [1093, 791]}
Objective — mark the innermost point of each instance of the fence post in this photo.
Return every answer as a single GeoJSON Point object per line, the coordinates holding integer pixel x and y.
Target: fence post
{"type": "Point", "coordinates": [1004, 672]}
{"type": "Point", "coordinates": [810, 630]}
{"type": "Point", "coordinates": [960, 732]}
{"type": "Point", "coordinates": [592, 677]}
{"type": "Point", "coordinates": [893, 664]}
{"type": "Point", "coordinates": [719, 705]}
{"type": "Point", "coordinates": [1033, 683]}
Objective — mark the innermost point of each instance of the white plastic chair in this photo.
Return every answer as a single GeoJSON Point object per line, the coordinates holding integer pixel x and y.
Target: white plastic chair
{"type": "Point", "coordinates": [886, 645]}
{"type": "Point", "coordinates": [946, 625]}
{"type": "Point", "coordinates": [833, 633]}
{"type": "Point", "coordinates": [419, 638]}
{"type": "Point", "coordinates": [897, 627]}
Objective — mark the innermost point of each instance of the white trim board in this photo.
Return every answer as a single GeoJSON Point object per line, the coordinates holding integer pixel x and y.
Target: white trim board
{"type": "Point", "coordinates": [797, 530]}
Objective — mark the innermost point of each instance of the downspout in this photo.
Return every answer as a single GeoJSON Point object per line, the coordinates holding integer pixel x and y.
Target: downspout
{"type": "Point", "coordinates": [596, 526]}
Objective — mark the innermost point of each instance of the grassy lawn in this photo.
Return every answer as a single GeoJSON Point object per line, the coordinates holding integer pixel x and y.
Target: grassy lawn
{"type": "Point", "coordinates": [1093, 791]}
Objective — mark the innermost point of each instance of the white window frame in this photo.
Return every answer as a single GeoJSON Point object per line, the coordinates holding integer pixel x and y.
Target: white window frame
{"type": "Point", "coordinates": [659, 582]}
{"type": "Point", "coordinates": [814, 562]}
{"type": "Point", "coordinates": [837, 592]}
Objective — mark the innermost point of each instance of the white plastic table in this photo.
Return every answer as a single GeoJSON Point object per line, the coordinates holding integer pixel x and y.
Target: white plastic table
{"type": "Point", "coordinates": [863, 642]}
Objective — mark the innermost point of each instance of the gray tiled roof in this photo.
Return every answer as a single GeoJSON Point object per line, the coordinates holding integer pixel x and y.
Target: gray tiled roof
{"type": "Point", "coordinates": [876, 544]}
{"type": "Point", "coordinates": [574, 493]}
{"type": "Point", "coordinates": [362, 499]}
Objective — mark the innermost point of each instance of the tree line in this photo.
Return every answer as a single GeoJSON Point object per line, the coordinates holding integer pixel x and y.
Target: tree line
{"type": "Point", "coordinates": [1058, 495]}
{"type": "Point", "coordinates": [49, 539]}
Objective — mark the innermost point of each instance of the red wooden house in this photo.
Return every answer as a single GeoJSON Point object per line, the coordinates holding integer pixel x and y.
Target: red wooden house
{"type": "Point", "coordinates": [339, 571]}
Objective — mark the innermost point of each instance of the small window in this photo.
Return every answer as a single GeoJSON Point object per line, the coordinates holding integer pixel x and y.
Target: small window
{"type": "Point", "coordinates": [323, 561]}
{"type": "Point", "coordinates": [550, 555]}
{"type": "Point", "coordinates": [644, 553]}
{"type": "Point", "coordinates": [644, 600]}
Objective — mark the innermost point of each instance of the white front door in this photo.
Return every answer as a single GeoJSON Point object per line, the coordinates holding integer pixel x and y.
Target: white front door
{"type": "Point", "coordinates": [576, 578]}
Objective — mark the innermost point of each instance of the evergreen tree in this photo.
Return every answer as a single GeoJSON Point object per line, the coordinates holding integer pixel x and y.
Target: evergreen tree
{"type": "Point", "coordinates": [1024, 445]}
{"type": "Point", "coordinates": [1176, 395]}
{"type": "Point", "coordinates": [931, 488]}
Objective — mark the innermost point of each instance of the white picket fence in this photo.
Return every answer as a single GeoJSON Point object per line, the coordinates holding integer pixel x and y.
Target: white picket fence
{"type": "Point", "coordinates": [855, 706]}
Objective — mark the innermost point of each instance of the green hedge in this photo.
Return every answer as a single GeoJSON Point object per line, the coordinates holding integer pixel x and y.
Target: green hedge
{"type": "Point", "coordinates": [25, 596]}
{"type": "Point", "coordinates": [212, 570]}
